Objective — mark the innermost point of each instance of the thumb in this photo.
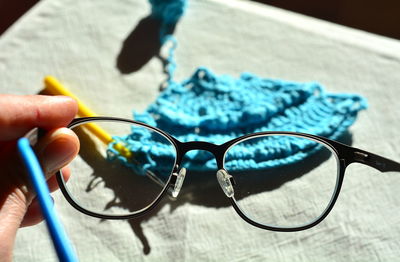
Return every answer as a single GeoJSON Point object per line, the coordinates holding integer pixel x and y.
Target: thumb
{"type": "Point", "coordinates": [56, 149]}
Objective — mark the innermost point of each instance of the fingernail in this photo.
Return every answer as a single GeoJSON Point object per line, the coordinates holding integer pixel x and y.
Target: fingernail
{"type": "Point", "coordinates": [59, 150]}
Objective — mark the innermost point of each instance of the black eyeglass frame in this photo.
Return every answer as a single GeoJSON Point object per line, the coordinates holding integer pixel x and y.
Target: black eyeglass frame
{"type": "Point", "coordinates": [345, 154]}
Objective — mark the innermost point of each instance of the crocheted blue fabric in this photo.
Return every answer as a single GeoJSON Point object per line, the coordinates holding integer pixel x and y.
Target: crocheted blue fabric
{"type": "Point", "coordinates": [218, 108]}
{"type": "Point", "coordinates": [212, 108]}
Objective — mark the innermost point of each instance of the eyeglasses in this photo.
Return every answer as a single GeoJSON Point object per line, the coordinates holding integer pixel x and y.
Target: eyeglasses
{"type": "Point", "coordinates": [281, 181]}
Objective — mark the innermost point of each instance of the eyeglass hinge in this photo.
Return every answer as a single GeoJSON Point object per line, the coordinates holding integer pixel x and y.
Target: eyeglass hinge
{"type": "Point", "coordinates": [176, 169]}
{"type": "Point", "coordinates": [369, 160]}
{"type": "Point", "coordinates": [360, 157]}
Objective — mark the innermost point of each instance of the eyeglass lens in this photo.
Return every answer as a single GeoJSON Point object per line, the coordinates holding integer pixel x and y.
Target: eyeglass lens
{"type": "Point", "coordinates": [281, 180]}
{"type": "Point", "coordinates": [119, 177]}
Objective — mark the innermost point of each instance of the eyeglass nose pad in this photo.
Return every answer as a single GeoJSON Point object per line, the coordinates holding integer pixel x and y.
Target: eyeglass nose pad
{"type": "Point", "coordinates": [180, 177]}
{"type": "Point", "coordinates": [225, 181]}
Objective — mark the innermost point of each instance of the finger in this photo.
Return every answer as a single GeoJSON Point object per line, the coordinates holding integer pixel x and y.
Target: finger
{"type": "Point", "coordinates": [52, 181]}
{"type": "Point", "coordinates": [22, 113]}
{"type": "Point", "coordinates": [56, 149]}
{"type": "Point", "coordinates": [33, 214]}
{"type": "Point", "coordinates": [12, 210]}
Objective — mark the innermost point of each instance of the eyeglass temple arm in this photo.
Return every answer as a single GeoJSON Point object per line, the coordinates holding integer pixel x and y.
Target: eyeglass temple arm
{"type": "Point", "coordinates": [355, 155]}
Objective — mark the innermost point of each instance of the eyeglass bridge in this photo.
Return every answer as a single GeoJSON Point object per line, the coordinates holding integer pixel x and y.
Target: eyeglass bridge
{"type": "Point", "coordinates": [225, 180]}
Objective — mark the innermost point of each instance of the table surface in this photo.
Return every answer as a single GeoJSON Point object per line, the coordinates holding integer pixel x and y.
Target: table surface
{"type": "Point", "coordinates": [103, 52]}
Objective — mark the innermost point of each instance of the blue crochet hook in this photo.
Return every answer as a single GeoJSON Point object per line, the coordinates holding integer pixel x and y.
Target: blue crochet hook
{"type": "Point", "coordinates": [63, 247]}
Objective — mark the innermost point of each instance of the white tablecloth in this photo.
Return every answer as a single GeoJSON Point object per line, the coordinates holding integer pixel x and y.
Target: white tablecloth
{"type": "Point", "coordinates": [79, 42]}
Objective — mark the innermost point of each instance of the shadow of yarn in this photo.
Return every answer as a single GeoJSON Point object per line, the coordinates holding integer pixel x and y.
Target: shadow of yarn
{"type": "Point", "coordinates": [141, 45]}
{"type": "Point", "coordinates": [200, 188]}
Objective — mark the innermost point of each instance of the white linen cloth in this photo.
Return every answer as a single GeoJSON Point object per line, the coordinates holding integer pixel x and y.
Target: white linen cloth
{"type": "Point", "coordinates": [79, 42]}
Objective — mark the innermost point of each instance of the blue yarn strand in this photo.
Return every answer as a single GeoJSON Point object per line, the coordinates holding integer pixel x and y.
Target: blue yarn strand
{"type": "Point", "coordinates": [170, 67]}
{"type": "Point", "coordinates": [168, 12]}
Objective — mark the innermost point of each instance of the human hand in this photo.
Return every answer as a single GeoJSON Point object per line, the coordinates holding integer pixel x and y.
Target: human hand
{"type": "Point", "coordinates": [18, 115]}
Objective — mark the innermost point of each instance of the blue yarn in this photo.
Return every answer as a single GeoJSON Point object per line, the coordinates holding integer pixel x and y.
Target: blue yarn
{"type": "Point", "coordinates": [218, 108]}
{"type": "Point", "coordinates": [170, 60]}
{"type": "Point", "coordinates": [168, 13]}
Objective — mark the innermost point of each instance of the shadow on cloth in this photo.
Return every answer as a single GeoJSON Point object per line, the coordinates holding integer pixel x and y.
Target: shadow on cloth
{"type": "Point", "coordinates": [141, 45]}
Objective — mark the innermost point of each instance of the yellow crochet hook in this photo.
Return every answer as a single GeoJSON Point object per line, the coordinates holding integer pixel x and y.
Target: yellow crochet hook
{"type": "Point", "coordinates": [54, 87]}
